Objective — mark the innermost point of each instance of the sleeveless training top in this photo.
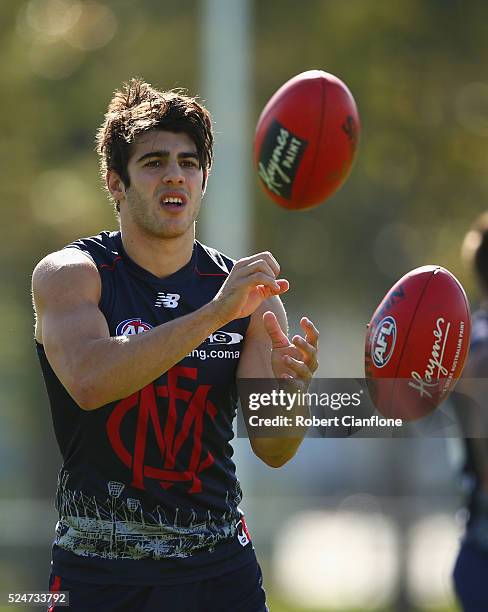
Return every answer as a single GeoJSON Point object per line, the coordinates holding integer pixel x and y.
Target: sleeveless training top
{"type": "Point", "coordinates": [148, 492]}
{"type": "Point", "coordinates": [477, 502]}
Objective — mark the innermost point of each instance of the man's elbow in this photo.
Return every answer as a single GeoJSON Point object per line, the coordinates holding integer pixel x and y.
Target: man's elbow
{"type": "Point", "coordinates": [85, 395]}
{"type": "Point", "coordinates": [272, 455]}
{"type": "Point", "coordinates": [87, 404]}
{"type": "Point", "coordinates": [275, 452]}
{"type": "Point", "coordinates": [275, 462]}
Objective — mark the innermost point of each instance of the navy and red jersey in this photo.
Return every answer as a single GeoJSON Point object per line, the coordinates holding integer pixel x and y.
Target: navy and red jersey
{"type": "Point", "coordinates": [472, 470]}
{"type": "Point", "coordinates": [147, 493]}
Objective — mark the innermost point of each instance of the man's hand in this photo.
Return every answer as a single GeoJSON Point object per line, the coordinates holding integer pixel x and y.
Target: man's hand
{"type": "Point", "coordinates": [251, 281]}
{"type": "Point", "coordinates": [296, 360]}
{"type": "Point", "coordinates": [293, 362]}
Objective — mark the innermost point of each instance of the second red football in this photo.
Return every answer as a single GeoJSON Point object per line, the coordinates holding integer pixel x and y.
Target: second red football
{"type": "Point", "coordinates": [417, 343]}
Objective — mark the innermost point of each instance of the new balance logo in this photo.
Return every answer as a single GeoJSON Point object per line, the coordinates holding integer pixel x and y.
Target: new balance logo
{"type": "Point", "coordinates": [167, 300]}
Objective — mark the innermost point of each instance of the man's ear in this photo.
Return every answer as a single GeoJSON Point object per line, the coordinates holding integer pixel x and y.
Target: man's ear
{"type": "Point", "coordinates": [204, 182]}
{"type": "Point", "coordinates": [115, 185]}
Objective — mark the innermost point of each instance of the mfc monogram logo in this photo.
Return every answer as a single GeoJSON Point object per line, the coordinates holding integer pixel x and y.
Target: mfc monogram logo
{"type": "Point", "coordinates": [170, 434]}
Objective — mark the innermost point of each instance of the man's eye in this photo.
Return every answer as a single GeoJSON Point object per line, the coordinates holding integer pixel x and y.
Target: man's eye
{"type": "Point", "coordinates": [189, 163]}
{"type": "Point", "coordinates": [155, 163]}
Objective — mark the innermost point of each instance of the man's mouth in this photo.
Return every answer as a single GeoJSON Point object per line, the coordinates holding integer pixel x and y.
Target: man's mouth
{"type": "Point", "coordinates": [174, 202]}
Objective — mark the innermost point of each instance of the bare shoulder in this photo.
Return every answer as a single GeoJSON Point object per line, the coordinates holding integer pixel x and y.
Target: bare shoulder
{"type": "Point", "coordinates": [64, 273]}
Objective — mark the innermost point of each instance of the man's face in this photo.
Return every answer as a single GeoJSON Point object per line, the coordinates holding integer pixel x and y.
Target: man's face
{"type": "Point", "coordinates": [165, 184]}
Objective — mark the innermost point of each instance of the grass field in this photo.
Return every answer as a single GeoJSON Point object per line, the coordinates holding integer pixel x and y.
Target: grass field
{"type": "Point", "coordinates": [275, 604]}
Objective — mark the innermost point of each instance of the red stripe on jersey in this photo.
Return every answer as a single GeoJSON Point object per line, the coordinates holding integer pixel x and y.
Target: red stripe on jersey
{"type": "Point", "coordinates": [244, 528]}
{"type": "Point", "coordinates": [210, 274]}
{"type": "Point", "coordinates": [112, 267]}
{"type": "Point", "coordinates": [55, 588]}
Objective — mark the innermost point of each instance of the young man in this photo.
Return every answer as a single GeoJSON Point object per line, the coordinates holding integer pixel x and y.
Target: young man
{"type": "Point", "coordinates": [471, 568]}
{"type": "Point", "coordinates": [141, 334]}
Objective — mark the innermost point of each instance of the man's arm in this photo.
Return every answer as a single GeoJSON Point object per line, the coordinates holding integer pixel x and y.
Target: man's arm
{"type": "Point", "coordinates": [268, 354]}
{"type": "Point", "coordinates": [96, 368]}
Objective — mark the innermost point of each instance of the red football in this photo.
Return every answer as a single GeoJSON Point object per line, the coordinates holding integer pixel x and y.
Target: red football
{"type": "Point", "coordinates": [306, 140]}
{"type": "Point", "coordinates": [417, 342]}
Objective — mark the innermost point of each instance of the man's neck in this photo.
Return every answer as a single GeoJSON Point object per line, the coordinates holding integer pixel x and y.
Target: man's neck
{"type": "Point", "coordinates": [160, 256]}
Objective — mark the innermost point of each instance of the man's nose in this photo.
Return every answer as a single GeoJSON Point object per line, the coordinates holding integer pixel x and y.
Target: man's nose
{"type": "Point", "coordinates": [173, 173]}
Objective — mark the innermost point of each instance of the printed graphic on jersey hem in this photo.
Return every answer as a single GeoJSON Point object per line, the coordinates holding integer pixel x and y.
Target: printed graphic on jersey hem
{"type": "Point", "coordinates": [119, 528]}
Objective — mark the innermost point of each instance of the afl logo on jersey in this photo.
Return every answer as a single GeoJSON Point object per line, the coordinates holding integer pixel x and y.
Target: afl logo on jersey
{"type": "Point", "coordinates": [130, 327]}
{"type": "Point", "coordinates": [383, 342]}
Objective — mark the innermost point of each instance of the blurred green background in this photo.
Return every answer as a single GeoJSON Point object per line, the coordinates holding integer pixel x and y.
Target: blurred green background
{"type": "Point", "coordinates": [417, 69]}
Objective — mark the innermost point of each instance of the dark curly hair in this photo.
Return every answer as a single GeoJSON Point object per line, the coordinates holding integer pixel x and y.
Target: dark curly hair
{"type": "Point", "coordinates": [138, 108]}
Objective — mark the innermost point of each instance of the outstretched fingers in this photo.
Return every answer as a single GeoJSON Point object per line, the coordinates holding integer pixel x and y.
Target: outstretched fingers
{"type": "Point", "coordinates": [277, 336]}
{"type": "Point", "coordinates": [311, 332]}
{"type": "Point", "coordinates": [262, 273]}
{"type": "Point", "coordinates": [265, 257]}
{"type": "Point", "coordinates": [308, 345]}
